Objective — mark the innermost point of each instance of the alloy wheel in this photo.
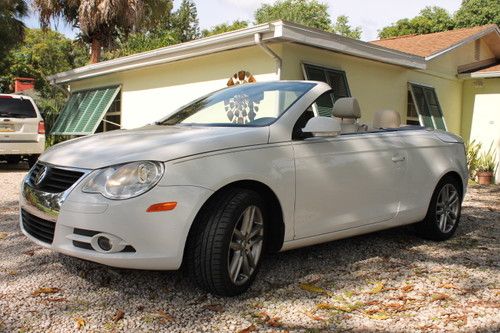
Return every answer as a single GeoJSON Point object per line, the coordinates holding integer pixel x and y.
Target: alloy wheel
{"type": "Point", "coordinates": [246, 245]}
{"type": "Point", "coordinates": [447, 208]}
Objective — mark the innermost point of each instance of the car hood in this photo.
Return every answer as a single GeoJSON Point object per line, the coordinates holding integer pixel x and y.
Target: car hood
{"type": "Point", "coordinates": [152, 142]}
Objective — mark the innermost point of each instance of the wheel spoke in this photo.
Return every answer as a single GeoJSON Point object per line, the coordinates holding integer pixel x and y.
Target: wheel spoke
{"type": "Point", "coordinates": [442, 222]}
{"type": "Point", "coordinates": [245, 265]}
{"type": "Point", "coordinates": [440, 212]}
{"type": "Point", "coordinates": [256, 240]}
{"type": "Point", "coordinates": [235, 246]}
{"type": "Point", "coordinates": [452, 198]}
{"type": "Point", "coordinates": [453, 215]}
{"type": "Point", "coordinates": [453, 202]}
{"type": "Point", "coordinates": [238, 234]}
{"type": "Point", "coordinates": [250, 259]}
{"type": "Point", "coordinates": [235, 267]}
{"type": "Point", "coordinates": [247, 222]}
{"type": "Point", "coordinates": [255, 230]}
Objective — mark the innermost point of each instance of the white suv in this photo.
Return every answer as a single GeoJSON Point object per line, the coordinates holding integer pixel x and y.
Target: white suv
{"type": "Point", "coordinates": [22, 130]}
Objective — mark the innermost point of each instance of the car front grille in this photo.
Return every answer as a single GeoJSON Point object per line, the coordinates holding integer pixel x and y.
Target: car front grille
{"type": "Point", "coordinates": [41, 229]}
{"type": "Point", "coordinates": [52, 179]}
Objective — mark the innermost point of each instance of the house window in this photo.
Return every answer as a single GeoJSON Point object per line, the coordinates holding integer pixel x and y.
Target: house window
{"type": "Point", "coordinates": [423, 105]}
{"type": "Point", "coordinates": [112, 118]}
{"type": "Point", "coordinates": [337, 79]}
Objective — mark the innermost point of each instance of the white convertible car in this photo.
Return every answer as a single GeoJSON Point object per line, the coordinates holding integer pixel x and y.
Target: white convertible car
{"type": "Point", "coordinates": [241, 171]}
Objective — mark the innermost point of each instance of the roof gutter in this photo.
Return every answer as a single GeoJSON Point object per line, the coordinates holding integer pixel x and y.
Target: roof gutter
{"type": "Point", "coordinates": [271, 53]}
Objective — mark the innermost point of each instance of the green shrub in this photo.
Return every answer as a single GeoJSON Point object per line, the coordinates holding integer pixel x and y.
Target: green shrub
{"type": "Point", "coordinates": [473, 148]}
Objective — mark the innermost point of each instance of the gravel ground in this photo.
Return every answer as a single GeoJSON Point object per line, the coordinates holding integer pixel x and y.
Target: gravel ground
{"type": "Point", "coordinates": [389, 281]}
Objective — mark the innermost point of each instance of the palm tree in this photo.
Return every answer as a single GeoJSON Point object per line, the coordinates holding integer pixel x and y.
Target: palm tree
{"type": "Point", "coordinates": [11, 27]}
{"type": "Point", "coordinates": [100, 21]}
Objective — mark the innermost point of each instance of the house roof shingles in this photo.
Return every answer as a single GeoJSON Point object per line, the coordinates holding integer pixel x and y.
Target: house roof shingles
{"type": "Point", "coordinates": [429, 44]}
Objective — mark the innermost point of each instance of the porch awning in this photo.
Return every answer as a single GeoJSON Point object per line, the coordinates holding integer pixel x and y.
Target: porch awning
{"type": "Point", "coordinates": [84, 111]}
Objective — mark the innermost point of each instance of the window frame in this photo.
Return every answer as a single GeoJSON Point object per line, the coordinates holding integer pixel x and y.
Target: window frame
{"type": "Point", "coordinates": [425, 88]}
{"type": "Point", "coordinates": [327, 70]}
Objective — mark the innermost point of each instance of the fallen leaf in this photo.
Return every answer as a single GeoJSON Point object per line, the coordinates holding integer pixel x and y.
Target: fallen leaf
{"type": "Point", "coordinates": [407, 288]}
{"type": "Point", "coordinates": [314, 289]}
{"type": "Point", "coordinates": [140, 308]}
{"type": "Point", "coordinates": [12, 273]}
{"type": "Point", "coordinates": [325, 306]}
{"type": "Point", "coordinates": [56, 300]}
{"type": "Point", "coordinates": [30, 253]}
{"type": "Point", "coordinates": [379, 286]}
{"type": "Point", "coordinates": [249, 329]}
{"type": "Point", "coordinates": [119, 314]}
{"type": "Point", "coordinates": [379, 316]}
{"type": "Point", "coordinates": [3, 235]}
{"type": "Point", "coordinates": [164, 317]}
{"type": "Point", "coordinates": [274, 322]}
{"type": "Point", "coordinates": [449, 286]}
{"type": "Point", "coordinates": [214, 307]}
{"type": "Point", "coordinates": [439, 297]}
{"type": "Point", "coordinates": [313, 316]}
{"type": "Point", "coordinates": [79, 323]}
{"type": "Point", "coordinates": [44, 290]}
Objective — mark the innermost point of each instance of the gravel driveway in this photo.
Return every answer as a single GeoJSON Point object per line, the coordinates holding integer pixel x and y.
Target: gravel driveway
{"type": "Point", "coordinates": [389, 281]}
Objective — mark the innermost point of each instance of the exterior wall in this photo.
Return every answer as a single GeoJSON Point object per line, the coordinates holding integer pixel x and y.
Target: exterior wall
{"type": "Point", "coordinates": [152, 93]}
{"type": "Point", "coordinates": [481, 114]}
{"type": "Point", "coordinates": [464, 55]}
{"type": "Point", "coordinates": [377, 86]}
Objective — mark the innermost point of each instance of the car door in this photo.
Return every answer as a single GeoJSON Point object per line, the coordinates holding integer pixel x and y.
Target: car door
{"type": "Point", "coordinates": [347, 181]}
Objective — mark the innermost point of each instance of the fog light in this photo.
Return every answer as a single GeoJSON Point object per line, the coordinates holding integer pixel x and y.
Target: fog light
{"type": "Point", "coordinates": [104, 243]}
{"type": "Point", "coordinates": [107, 243]}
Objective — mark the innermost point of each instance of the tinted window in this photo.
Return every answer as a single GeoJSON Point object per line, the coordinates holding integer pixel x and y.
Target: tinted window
{"type": "Point", "coordinates": [16, 108]}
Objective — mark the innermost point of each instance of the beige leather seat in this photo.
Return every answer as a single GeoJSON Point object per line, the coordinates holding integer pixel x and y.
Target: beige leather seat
{"type": "Point", "coordinates": [347, 109]}
{"type": "Point", "coordinates": [386, 119]}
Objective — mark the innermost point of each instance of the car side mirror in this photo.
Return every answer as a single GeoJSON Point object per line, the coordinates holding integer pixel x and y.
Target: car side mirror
{"type": "Point", "coordinates": [323, 126]}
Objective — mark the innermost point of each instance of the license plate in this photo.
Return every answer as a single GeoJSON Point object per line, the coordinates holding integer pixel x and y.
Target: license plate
{"type": "Point", "coordinates": [4, 128]}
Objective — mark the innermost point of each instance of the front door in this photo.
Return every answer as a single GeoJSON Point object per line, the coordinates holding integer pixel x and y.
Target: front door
{"type": "Point", "coordinates": [347, 181]}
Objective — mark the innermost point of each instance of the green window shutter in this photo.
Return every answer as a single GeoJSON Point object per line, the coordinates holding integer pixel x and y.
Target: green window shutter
{"type": "Point", "coordinates": [428, 108]}
{"type": "Point", "coordinates": [337, 79]}
{"type": "Point", "coordinates": [84, 111]}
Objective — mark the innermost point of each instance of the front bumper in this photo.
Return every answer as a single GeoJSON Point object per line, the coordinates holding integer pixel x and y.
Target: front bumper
{"type": "Point", "coordinates": [158, 239]}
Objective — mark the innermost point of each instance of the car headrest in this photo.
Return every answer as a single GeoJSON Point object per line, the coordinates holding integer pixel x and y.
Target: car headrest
{"type": "Point", "coordinates": [346, 107]}
{"type": "Point", "coordinates": [386, 119]}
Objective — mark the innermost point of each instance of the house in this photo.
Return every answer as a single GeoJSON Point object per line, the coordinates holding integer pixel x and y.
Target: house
{"type": "Point", "coordinates": [448, 80]}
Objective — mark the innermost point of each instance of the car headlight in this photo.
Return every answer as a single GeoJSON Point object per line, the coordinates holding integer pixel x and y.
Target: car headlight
{"type": "Point", "coordinates": [124, 181]}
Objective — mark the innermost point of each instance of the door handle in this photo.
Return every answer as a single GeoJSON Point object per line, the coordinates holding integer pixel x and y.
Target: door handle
{"type": "Point", "coordinates": [398, 158]}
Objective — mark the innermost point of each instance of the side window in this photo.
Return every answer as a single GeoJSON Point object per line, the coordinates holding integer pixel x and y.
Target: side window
{"type": "Point", "coordinates": [323, 106]}
{"type": "Point", "coordinates": [423, 104]}
{"type": "Point", "coordinates": [337, 79]}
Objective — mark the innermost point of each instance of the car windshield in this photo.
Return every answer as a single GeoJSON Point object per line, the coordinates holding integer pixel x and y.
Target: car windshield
{"type": "Point", "coordinates": [255, 104]}
{"type": "Point", "coordinates": [16, 108]}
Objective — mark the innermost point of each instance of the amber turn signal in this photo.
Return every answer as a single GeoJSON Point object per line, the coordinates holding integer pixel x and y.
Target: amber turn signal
{"type": "Point", "coordinates": [160, 207]}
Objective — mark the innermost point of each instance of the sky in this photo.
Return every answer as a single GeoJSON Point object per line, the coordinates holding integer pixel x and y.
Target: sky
{"type": "Point", "coordinates": [370, 15]}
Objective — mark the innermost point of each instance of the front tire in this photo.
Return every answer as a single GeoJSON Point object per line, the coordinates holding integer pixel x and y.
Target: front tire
{"type": "Point", "coordinates": [443, 214]}
{"type": "Point", "coordinates": [225, 249]}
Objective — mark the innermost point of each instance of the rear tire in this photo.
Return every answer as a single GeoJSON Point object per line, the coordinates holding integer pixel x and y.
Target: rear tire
{"type": "Point", "coordinates": [13, 159]}
{"type": "Point", "coordinates": [226, 245]}
{"type": "Point", "coordinates": [443, 214]}
{"type": "Point", "coordinates": [32, 160]}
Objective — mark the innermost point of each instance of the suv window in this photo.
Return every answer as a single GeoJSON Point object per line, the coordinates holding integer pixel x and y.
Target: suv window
{"type": "Point", "coordinates": [16, 108]}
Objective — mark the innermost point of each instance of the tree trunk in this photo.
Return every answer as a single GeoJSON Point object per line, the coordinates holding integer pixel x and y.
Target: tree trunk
{"type": "Point", "coordinates": [95, 51]}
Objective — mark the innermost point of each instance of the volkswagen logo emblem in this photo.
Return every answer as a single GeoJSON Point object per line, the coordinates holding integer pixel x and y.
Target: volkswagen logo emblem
{"type": "Point", "coordinates": [41, 175]}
